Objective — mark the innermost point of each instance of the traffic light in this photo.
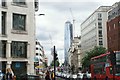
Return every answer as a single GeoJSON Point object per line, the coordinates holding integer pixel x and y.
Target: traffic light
{"type": "Point", "coordinates": [55, 56]}
{"type": "Point", "coordinates": [112, 57]}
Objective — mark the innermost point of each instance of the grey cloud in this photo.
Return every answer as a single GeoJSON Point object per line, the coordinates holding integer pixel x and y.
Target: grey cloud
{"type": "Point", "coordinates": [76, 6]}
{"type": "Point", "coordinates": [68, 0]}
{"type": "Point", "coordinates": [44, 34]}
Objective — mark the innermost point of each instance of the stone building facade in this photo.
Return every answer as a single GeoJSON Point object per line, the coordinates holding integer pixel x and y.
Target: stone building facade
{"type": "Point", "coordinates": [17, 36]}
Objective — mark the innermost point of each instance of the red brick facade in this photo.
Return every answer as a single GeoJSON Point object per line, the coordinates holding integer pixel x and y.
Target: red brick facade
{"type": "Point", "coordinates": [113, 34]}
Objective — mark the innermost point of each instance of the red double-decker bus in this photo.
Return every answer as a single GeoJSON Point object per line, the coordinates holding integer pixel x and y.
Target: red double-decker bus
{"type": "Point", "coordinates": [102, 67]}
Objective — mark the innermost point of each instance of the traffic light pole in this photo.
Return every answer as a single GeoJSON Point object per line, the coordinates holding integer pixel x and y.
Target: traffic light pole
{"type": "Point", "coordinates": [113, 61]}
{"type": "Point", "coordinates": [54, 63]}
{"type": "Point", "coordinates": [113, 72]}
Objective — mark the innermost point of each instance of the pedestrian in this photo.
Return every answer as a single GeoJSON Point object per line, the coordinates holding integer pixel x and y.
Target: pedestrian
{"type": "Point", "coordinates": [9, 74]}
{"type": "Point", "coordinates": [85, 76]}
{"type": "Point", "coordinates": [52, 75]}
{"type": "Point", "coordinates": [47, 76]}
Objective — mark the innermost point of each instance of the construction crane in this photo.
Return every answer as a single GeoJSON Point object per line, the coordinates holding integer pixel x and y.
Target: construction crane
{"type": "Point", "coordinates": [73, 22]}
{"type": "Point", "coordinates": [51, 42]}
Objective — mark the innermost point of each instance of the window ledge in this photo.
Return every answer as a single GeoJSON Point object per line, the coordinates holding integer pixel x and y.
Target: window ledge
{"type": "Point", "coordinates": [20, 5]}
{"type": "Point", "coordinates": [19, 32]}
{"type": "Point", "coordinates": [1, 35]}
{"type": "Point", "coordinates": [5, 7]}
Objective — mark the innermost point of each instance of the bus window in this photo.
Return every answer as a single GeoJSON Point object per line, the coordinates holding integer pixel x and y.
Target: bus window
{"type": "Point", "coordinates": [111, 70]}
{"type": "Point", "coordinates": [117, 72]}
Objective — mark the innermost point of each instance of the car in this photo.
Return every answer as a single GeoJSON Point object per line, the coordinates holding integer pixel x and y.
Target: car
{"type": "Point", "coordinates": [89, 75]}
{"type": "Point", "coordinates": [80, 76]}
{"type": "Point", "coordinates": [63, 75]}
{"type": "Point", "coordinates": [68, 76]}
{"type": "Point", "coordinates": [58, 74]}
{"type": "Point", "coordinates": [73, 77]}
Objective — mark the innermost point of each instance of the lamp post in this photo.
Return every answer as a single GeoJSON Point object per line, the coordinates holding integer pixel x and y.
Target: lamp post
{"type": "Point", "coordinates": [37, 57]}
{"type": "Point", "coordinates": [41, 14]}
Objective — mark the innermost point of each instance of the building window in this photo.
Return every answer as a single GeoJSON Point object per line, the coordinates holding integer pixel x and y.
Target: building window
{"type": "Point", "coordinates": [100, 43]}
{"type": "Point", "coordinates": [3, 49]}
{"type": "Point", "coordinates": [119, 23]}
{"type": "Point", "coordinates": [3, 23]}
{"type": "Point", "coordinates": [109, 28]}
{"type": "Point", "coordinates": [19, 49]}
{"type": "Point", "coordinates": [100, 39]}
{"type": "Point", "coordinates": [3, 66]}
{"type": "Point", "coordinates": [36, 48]}
{"type": "Point", "coordinates": [19, 2]}
{"type": "Point", "coordinates": [3, 3]}
{"type": "Point", "coordinates": [19, 22]}
{"type": "Point", "coordinates": [99, 24]}
{"type": "Point", "coordinates": [114, 26]}
{"type": "Point", "coordinates": [99, 16]}
{"type": "Point", "coordinates": [100, 33]}
{"type": "Point", "coordinates": [37, 43]}
{"type": "Point", "coordinates": [40, 54]}
{"type": "Point", "coordinates": [19, 67]}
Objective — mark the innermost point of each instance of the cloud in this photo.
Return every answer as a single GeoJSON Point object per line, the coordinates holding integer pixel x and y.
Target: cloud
{"type": "Point", "coordinates": [69, 1]}
{"type": "Point", "coordinates": [50, 28]}
{"type": "Point", "coordinates": [65, 6]}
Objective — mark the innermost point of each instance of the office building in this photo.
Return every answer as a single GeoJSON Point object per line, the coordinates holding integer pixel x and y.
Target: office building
{"type": "Point", "coordinates": [68, 37]}
{"type": "Point", "coordinates": [17, 36]}
{"type": "Point", "coordinates": [113, 27]}
{"type": "Point", "coordinates": [93, 30]}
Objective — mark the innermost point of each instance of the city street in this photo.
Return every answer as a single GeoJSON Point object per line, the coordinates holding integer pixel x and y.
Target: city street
{"type": "Point", "coordinates": [59, 39]}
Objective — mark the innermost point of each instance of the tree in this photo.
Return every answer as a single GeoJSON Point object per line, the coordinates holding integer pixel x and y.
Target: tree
{"type": "Point", "coordinates": [97, 50]}
{"type": "Point", "coordinates": [56, 62]}
{"type": "Point", "coordinates": [45, 64]}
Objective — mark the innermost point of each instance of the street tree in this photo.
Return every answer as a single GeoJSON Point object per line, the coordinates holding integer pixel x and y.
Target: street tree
{"type": "Point", "coordinates": [56, 63]}
{"type": "Point", "coordinates": [45, 64]}
{"type": "Point", "coordinates": [97, 50]}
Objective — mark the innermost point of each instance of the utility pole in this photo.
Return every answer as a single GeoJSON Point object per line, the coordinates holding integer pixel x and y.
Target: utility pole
{"type": "Point", "coordinates": [54, 62]}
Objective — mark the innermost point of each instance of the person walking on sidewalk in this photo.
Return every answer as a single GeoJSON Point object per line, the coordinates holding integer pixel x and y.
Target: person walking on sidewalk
{"type": "Point", "coordinates": [52, 75]}
{"type": "Point", "coordinates": [9, 74]}
{"type": "Point", "coordinates": [47, 76]}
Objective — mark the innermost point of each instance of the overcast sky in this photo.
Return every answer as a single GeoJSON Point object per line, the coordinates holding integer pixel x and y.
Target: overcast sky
{"type": "Point", "coordinates": [50, 27]}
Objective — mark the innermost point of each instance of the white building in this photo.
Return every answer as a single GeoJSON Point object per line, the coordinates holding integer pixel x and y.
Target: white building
{"type": "Point", "coordinates": [17, 36]}
{"type": "Point", "coordinates": [39, 57]}
{"type": "Point", "coordinates": [75, 53]}
{"type": "Point", "coordinates": [93, 29]}
{"type": "Point", "coordinates": [39, 51]}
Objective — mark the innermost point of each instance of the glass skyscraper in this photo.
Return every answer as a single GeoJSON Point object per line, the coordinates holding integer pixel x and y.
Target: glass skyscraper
{"type": "Point", "coordinates": [68, 37]}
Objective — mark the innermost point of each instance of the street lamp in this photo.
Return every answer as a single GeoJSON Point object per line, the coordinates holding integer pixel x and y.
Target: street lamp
{"type": "Point", "coordinates": [37, 58]}
{"type": "Point", "coordinates": [41, 14]}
